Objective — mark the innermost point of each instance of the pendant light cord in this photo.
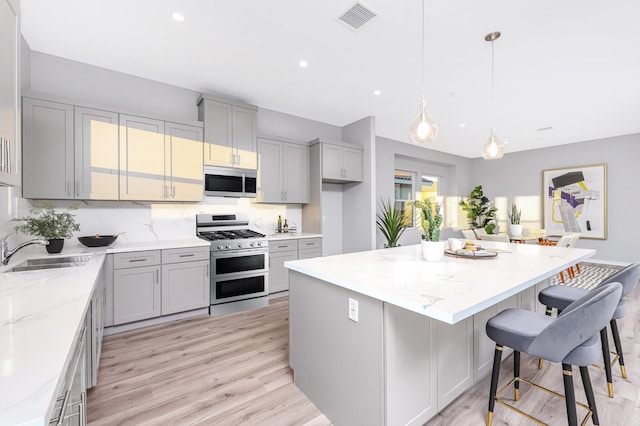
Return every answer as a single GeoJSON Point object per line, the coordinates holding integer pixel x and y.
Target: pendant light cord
{"type": "Point", "coordinates": [492, 68]}
{"type": "Point", "coordinates": [422, 73]}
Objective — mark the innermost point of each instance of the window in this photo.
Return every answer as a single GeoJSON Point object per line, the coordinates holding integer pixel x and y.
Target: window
{"type": "Point", "coordinates": [429, 187]}
{"type": "Point", "coordinates": [403, 188]}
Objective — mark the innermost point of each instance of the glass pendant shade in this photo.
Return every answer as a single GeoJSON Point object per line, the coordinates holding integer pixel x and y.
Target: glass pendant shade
{"type": "Point", "coordinates": [423, 129]}
{"type": "Point", "coordinates": [494, 148]}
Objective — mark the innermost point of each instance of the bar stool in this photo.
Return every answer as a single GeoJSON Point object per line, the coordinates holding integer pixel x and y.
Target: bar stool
{"type": "Point", "coordinates": [571, 339]}
{"type": "Point", "coordinates": [559, 297]}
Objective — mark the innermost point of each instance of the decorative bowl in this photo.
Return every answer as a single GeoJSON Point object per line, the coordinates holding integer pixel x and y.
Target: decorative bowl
{"type": "Point", "coordinates": [97, 240]}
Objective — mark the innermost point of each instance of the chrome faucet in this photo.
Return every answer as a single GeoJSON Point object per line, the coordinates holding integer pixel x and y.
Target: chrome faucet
{"type": "Point", "coordinates": [6, 254]}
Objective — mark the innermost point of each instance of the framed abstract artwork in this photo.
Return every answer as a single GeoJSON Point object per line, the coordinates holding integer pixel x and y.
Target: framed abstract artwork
{"type": "Point", "coordinates": [574, 199]}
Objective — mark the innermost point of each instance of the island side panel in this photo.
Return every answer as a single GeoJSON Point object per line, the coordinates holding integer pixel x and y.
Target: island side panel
{"type": "Point", "coordinates": [337, 363]}
{"type": "Point", "coordinates": [411, 367]}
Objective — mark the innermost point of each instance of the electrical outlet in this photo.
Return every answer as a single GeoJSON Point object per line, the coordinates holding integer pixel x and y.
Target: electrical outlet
{"type": "Point", "coordinates": [353, 310]}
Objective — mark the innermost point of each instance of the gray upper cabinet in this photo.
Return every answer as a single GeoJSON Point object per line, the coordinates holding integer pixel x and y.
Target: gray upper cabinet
{"type": "Point", "coordinates": [9, 95]}
{"type": "Point", "coordinates": [96, 154]}
{"type": "Point", "coordinates": [48, 159]}
{"type": "Point", "coordinates": [229, 132]}
{"type": "Point", "coordinates": [78, 152]}
{"type": "Point", "coordinates": [183, 162]}
{"type": "Point", "coordinates": [141, 159]}
{"type": "Point", "coordinates": [341, 163]}
{"type": "Point", "coordinates": [283, 172]}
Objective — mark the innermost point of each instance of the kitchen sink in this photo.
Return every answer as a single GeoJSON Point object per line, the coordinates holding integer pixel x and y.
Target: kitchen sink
{"type": "Point", "coordinates": [50, 263]}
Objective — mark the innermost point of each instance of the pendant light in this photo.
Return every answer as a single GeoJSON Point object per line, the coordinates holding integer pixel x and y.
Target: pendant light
{"type": "Point", "coordinates": [423, 129]}
{"type": "Point", "coordinates": [494, 148]}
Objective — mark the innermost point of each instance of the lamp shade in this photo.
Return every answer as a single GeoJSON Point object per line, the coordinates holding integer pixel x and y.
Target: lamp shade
{"type": "Point", "coordinates": [423, 129]}
{"type": "Point", "coordinates": [494, 148]}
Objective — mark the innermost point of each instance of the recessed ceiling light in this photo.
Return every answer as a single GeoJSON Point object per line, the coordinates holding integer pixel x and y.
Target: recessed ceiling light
{"type": "Point", "coordinates": [303, 63]}
{"type": "Point", "coordinates": [177, 16]}
{"type": "Point", "coordinates": [377, 92]}
{"type": "Point", "coordinates": [463, 124]}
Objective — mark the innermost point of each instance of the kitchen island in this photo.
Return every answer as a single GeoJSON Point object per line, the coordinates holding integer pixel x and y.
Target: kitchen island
{"type": "Point", "coordinates": [416, 339]}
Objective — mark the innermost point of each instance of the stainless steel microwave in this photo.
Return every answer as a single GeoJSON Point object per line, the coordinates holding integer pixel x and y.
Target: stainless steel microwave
{"type": "Point", "coordinates": [229, 182]}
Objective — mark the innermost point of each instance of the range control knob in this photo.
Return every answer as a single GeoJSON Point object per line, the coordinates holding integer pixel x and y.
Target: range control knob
{"type": "Point", "coordinates": [240, 245]}
{"type": "Point", "coordinates": [228, 246]}
{"type": "Point", "coordinates": [259, 243]}
{"type": "Point", "coordinates": [252, 244]}
{"type": "Point", "coordinates": [220, 246]}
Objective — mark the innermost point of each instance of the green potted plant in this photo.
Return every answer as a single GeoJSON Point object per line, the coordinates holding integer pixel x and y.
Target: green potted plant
{"type": "Point", "coordinates": [432, 247]}
{"type": "Point", "coordinates": [44, 222]}
{"type": "Point", "coordinates": [390, 222]}
{"type": "Point", "coordinates": [478, 210]}
{"type": "Point", "coordinates": [515, 228]}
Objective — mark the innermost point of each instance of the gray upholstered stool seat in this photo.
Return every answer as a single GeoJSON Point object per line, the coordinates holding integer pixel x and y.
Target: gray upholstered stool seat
{"type": "Point", "coordinates": [561, 296]}
{"type": "Point", "coordinates": [571, 338]}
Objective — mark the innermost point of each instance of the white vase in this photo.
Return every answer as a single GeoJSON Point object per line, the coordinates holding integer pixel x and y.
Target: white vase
{"type": "Point", "coordinates": [515, 231]}
{"type": "Point", "coordinates": [432, 251]}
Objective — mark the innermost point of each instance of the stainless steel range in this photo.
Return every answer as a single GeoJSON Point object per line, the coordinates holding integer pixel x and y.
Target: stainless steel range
{"type": "Point", "coordinates": [239, 263]}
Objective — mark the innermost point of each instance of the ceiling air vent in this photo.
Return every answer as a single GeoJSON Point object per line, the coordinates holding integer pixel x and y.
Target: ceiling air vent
{"type": "Point", "coordinates": [357, 16]}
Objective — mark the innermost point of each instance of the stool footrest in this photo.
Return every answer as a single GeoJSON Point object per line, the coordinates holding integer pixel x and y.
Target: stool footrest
{"type": "Point", "coordinates": [535, 385]}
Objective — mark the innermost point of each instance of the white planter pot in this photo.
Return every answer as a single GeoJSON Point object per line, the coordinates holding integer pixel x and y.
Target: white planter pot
{"type": "Point", "coordinates": [432, 251]}
{"type": "Point", "coordinates": [515, 230]}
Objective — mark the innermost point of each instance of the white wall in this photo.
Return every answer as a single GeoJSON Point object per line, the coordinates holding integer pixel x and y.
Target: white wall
{"type": "Point", "coordinates": [454, 170]}
{"type": "Point", "coordinates": [518, 176]}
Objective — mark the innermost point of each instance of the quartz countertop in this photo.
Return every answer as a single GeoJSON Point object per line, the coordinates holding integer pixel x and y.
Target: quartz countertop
{"type": "Point", "coordinates": [41, 313]}
{"type": "Point", "coordinates": [292, 235]}
{"type": "Point", "coordinates": [450, 290]}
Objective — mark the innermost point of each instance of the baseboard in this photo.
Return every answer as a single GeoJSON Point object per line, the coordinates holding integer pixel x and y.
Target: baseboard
{"type": "Point", "coordinates": [154, 321]}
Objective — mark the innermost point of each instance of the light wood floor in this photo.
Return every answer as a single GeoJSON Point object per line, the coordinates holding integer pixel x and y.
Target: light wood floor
{"type": "Point", "coordinates": [227, 370]}
{"type": "Point", "coordinates": [234, 370]}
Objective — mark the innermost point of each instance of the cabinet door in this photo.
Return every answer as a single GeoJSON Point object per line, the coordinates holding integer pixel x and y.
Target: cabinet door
{"type": "Point", "coordinates": [295, 162]}
{"type": "Point", "coordinates": [455, 360]}
{"type": "Point", "coordinates": [9, 98]}
{"type": "Point", "coordinates": [352, 164]}
{"type": "Point", "coordinates": [136, 294]}
{"type": "Point", "coordinates": [218, 147]}
{"type": "Point", "coordinates": [47, 149]}
{"type": "Point", "coordinates": [331, 161]}
{"type": "Point", "coordinates": [141, 159]}
{"type": "Point", "coordinates": [185, 286]}
{"type": "Point", "coordinates": [96, 154]}
{"type": "Point", "coordinates": [270, 188]}
{"type": "Point", "coordinates": [244, 138]}
{"type": "Point", "coordinates": [183, 162]}
{"type": "Point", "coordinates": [278, 274]}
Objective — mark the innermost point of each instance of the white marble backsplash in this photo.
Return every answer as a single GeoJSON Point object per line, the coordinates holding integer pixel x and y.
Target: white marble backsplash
{"type": "Point", "coordinates": [147, 221]}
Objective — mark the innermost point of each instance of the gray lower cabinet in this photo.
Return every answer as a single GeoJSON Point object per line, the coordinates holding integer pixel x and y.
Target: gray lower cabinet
{"type": "Point", "coordinates": [281, 251]}
{"type": "Point", "coordinates": [149, 284]}
{"type": "Point", "coordinates": [136, 286]}
{"type": "Point", "coordinates": [185, 280]}
{"type": "Point", "coordinates": [455, 359]}
{"type": "Point", "coordinates": [95, 329]}
{"type": "Point", "coordinates": [71, 406]}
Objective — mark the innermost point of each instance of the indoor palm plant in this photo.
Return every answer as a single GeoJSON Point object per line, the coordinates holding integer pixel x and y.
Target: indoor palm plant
{"type": "Point", "coordinates": [478, 210]}
{"type": "Point", "coordinates": [515, 228]}
{"type": "Point", "coordinates": [431, 221]}
{"type": "Point", "coordinates": [46, 223]}
{"type": "Point", "coordinates": [391, 222]}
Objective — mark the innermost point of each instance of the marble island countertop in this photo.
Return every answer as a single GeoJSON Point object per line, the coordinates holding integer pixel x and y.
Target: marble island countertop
{"type": "Point", "coordinates": [450, 290]}
{"type": "Point", "coordinates": [41, 313]}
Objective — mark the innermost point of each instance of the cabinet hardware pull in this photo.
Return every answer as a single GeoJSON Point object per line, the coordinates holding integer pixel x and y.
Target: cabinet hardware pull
{"type": "Point", "coordinates": [208, 271]}
{"type": "Point", "coordinates": [283, 246]}
{"type": "Point", "coordinates": [77, 188]}
{"type": "Point", "coordinates": [137, 260]}
{"type": "Point", "coordinates": [187, 255]}
{"type": "Point", "coordinates": [309, 244]}
{"type": "Point", "coordinates": [156, 275]}
{"type": "Point", "coordinates": [173, 191]}
{"type": "Point", "coordinates": [63, 408]}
